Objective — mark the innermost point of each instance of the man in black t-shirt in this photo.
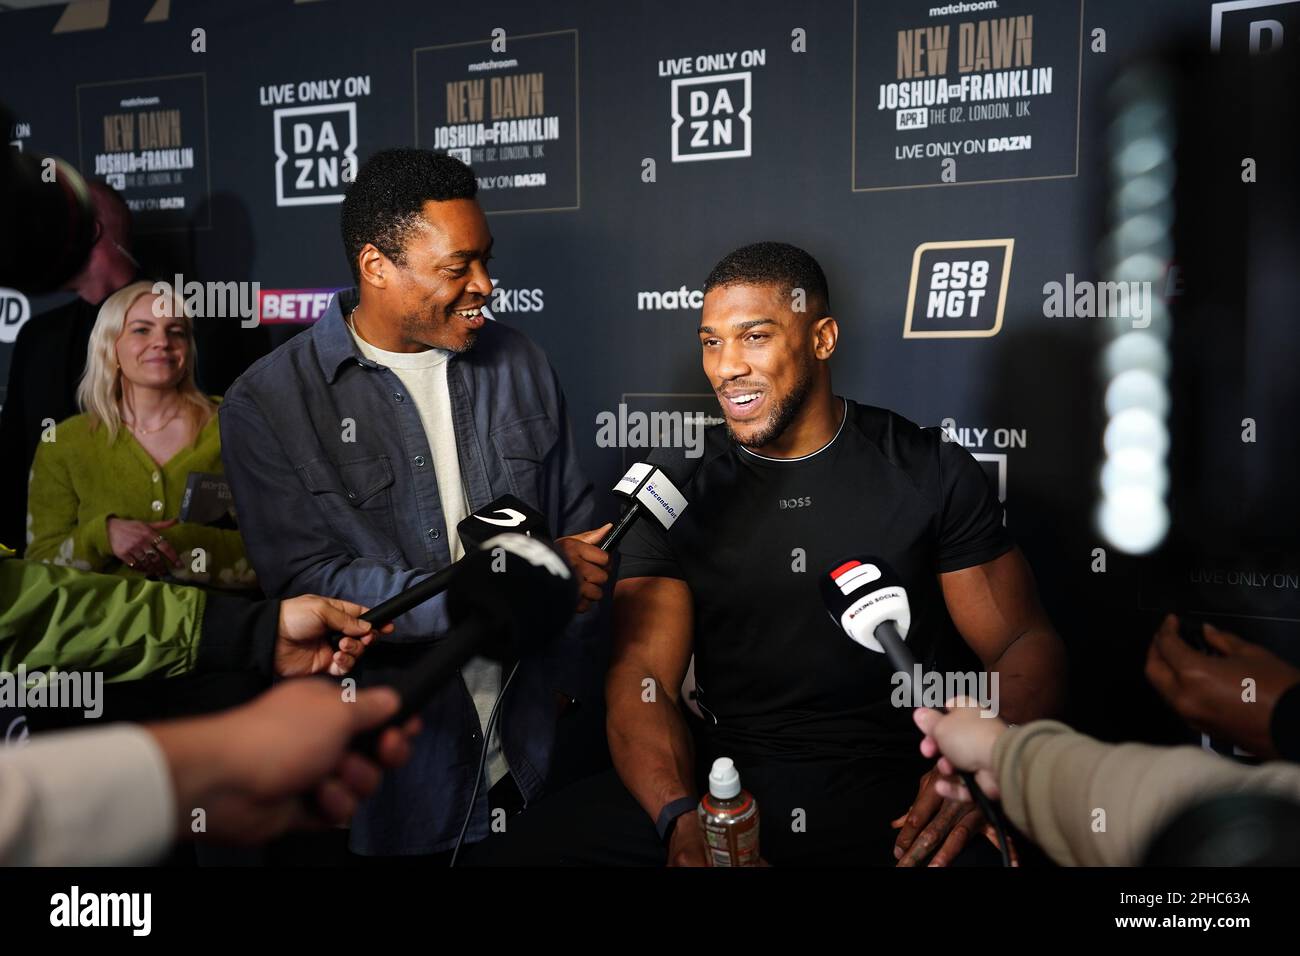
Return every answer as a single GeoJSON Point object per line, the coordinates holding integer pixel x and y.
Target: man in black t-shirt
{"type": "Point", "coordinates": [798, 480]}
{"type": "Point", "coordinates": [775, 676]}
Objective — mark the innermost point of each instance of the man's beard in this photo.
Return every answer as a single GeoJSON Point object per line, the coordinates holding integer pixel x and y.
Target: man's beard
{"type": "Point", "coordinates": [471, 336]}
{"type": "Point", "coordinates": [782, 414]}
{"type": "Point", "coordinates": [417, 331]}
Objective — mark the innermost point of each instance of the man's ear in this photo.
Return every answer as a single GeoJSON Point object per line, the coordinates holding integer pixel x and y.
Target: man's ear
{"type": "Point", "coordinates": [826, 333]}
{"type": "Point", "coordinates": [374, 267]}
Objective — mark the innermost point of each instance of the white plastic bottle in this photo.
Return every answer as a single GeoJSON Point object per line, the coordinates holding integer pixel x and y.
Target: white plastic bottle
{"type": "Point", "coordinates": [729, 816]}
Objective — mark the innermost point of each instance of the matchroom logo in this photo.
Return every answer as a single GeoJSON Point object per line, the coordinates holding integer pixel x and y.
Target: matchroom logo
{"type": "Point", "coordinates": [962, 289]}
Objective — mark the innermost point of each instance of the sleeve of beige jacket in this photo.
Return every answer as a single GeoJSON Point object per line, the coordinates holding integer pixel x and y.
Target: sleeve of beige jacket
{"type": "Point", "coordinates": [1087, 803]}
{"type": "Point", "coordinates": [99, 797]}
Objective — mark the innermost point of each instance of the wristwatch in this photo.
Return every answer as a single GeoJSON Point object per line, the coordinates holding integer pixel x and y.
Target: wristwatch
{"type": "Point", "coordinates": [669, 814]}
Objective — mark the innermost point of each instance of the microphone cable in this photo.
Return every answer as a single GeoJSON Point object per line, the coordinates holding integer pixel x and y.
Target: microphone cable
{"type": "Point", "coordinates": [990, 812]}
{"type": "Point", "coordinates": [482, 762]}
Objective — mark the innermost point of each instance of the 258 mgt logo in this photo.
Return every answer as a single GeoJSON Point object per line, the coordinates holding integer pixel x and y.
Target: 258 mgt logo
{"type": "Point", "coordinates": [958, 289]}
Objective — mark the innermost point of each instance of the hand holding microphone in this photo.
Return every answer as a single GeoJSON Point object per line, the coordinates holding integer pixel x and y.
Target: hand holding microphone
{"type": "Point", "coordinates": [648, 490]}
{"type": "Point", "coordinates": [963, 741]}
{"type": "Point", "coordinates": [651, 488]}
{"type": "Point", "coordinates": [589, 563]}
{"type": "Point", "coordinates": [866, 598]}
{"type": "Point", "coordinates": [508, 513]}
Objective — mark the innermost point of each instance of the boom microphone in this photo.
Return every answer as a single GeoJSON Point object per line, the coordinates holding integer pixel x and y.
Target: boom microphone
{"type": "Point", "coordinates": [506, 513]}
{"type": "Point", "coordinates": [512, 587]}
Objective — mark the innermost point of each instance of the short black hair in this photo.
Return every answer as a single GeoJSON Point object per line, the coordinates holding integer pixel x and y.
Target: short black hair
{"type": "Point", "coordinates": [384, 204]}
{"type": "Point", "coordinates": [774, 263]}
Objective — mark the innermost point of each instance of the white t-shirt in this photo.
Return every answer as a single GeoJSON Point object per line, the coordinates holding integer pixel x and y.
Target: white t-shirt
{"type": "Point", "coordinates": [424, 374]}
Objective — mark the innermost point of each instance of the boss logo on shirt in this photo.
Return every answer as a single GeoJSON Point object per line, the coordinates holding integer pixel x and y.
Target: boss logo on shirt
{"type": "Point", "coordinates": [795, 502]}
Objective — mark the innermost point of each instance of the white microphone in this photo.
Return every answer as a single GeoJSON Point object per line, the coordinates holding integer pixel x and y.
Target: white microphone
{"type": "Point", "coordinates": [652, 488]}
{"type": "Point", "coordinates": [866, 598]}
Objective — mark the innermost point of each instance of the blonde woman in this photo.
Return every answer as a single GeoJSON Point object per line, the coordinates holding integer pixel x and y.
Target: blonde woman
{"type": "Point", "coordinates": [106, 487]}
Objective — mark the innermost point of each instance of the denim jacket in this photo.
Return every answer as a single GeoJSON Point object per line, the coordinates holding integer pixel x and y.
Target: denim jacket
{"type": "Point", "coordinates": [334, 486]}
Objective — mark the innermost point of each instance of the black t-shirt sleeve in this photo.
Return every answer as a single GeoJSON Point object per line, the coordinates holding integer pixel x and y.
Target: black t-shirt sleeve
{"type": "Point", "coordinates": [646, 552]}
{"type": "Point", "coordinates": [970, 524]}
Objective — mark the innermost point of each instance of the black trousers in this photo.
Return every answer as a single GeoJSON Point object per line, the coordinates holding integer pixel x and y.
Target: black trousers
{"type": "Point", "coordinates": [834, 814]}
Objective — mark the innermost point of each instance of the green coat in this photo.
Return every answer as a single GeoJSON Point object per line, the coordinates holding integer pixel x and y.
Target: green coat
{"type": "Point", "coordinates": [79, 479]}
{"type": "Point", "coordinates": [127, 628]}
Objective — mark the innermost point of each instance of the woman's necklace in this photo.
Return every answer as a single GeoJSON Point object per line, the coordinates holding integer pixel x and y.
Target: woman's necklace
{"type": "Point", "coordinates": [140, 430]}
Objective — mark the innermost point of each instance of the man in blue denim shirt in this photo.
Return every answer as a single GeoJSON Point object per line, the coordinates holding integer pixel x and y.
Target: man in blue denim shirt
{"type": "Point", "coordinates": [354, 449]}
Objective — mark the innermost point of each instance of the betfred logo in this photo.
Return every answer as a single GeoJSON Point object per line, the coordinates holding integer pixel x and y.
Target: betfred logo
{"type": "Point", "coordinates": [294, 305]}
{"type": "Point", "coordinates": [15, 310]}
{"type": "Point", "coordinates": [958, 289]}
{"type": "Point", "coordinates": [315, 153]}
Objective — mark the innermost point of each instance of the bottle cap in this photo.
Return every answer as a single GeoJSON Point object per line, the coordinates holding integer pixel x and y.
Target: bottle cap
{"type": "Point", "coordinates": [724, 781]}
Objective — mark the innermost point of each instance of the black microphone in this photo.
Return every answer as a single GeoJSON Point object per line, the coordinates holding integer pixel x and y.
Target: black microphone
{"type": "Point", "coordinates": [513, 587]}
{"type": "Point", "coordinates": [867, 599]}
{"type": "Point", "coordinates": [506, 513]}
{"type": "Point", "coordinates": [652, 487]}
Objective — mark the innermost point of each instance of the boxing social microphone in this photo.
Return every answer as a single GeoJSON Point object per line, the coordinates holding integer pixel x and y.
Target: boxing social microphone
{"type": "Point", "coordinates": [505, 514]}
{"type": "Point", "coordinates": [867, 599]}
{"type": "Point", "coordinates": [651, 487]}
{"type": "Point", "coordinates": [513, 587]}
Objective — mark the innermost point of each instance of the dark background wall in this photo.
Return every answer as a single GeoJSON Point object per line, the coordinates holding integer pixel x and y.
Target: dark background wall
{"type": "Point", "coordinates": [822, 170]}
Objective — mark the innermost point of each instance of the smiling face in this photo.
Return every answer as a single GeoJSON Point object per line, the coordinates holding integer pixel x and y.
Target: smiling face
{"type": "Point", "coordinates": [434, 298]}
{"type": "Point", "coordinates": [760, 358]}
{"type": "Point", "coordinates": [152, 350]}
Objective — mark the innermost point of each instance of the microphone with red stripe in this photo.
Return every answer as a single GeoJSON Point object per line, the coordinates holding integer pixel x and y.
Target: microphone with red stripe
{"type": "Point", "coordinates": [867, 599]}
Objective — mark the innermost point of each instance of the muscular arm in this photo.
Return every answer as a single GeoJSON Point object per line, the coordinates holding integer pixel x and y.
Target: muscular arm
{"type": "Point", "coordinates": [996, 609]}
{"type": "Point", "coordinates": [648, 739]}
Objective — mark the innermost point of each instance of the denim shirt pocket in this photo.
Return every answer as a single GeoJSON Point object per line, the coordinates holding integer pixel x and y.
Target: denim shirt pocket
{"type": "Point", "coordinates": [524, 446]}
{"type": "Point", "coordinates": [356, 496]}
